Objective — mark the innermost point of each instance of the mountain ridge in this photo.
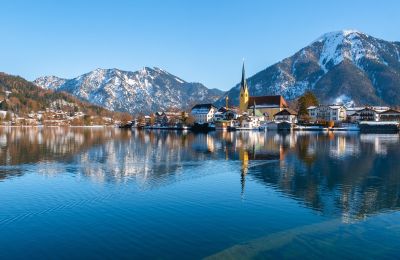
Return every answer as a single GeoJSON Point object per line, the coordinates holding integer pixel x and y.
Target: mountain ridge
{"type": "Point", "coordinates": [143, 91]}
{"type": "Point", "coordinates": [353, 67]}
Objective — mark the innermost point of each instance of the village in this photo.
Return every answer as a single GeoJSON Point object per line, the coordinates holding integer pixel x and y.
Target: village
{"type": "Point", "coordinates": [253, 113]}
{"type": "Point", "coordinates": [274, 113]}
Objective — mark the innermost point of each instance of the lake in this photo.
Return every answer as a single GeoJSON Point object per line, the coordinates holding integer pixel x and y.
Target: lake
{"type": "Point", "coordinates": [104, 193]}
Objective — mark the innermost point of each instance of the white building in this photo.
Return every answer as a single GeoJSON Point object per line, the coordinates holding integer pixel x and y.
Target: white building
{"type": "Point", "coordinates": [203, 113]}
{"type": "Point", "coordinates": [224, 114]}
{"type": "Point", "coordinates": [286, 115]}
{"type": "Point", "coordinates": [367, 113]}
{"type": "Point", "coordinates": [327, 113]}
{"type": "Point", "coordinates": [251, 122]}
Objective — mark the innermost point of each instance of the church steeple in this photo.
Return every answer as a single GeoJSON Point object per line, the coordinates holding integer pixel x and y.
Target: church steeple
{"type": "Point", "coordinates": [243, 83]}
{"type": "Point", "coordinates": [244, 93]}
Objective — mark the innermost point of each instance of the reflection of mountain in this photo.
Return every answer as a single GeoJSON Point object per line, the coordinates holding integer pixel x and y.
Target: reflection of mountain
{"type": "Point", "coordinates": [345, 174]}
{"type": "Point", "coordinates": [339, 174]}
{"type": "Point", "coordinates": [26, 146]}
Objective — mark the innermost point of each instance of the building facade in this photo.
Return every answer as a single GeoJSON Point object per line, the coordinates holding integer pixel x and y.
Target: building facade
{"type": "Point", "coordinates": [390, 115]}
{"type": "Point", "coordinates": [327, 113]}
{"type": "Point", "coordinates": [286, 115]}
{"type": "Point", "coordinates": [203, 113]}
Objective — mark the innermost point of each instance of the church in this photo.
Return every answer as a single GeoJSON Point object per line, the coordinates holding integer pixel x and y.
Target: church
{"type": "Point", "coordinates": [265, 105]}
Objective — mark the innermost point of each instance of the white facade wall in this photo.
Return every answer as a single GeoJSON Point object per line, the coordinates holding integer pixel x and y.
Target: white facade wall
{"type": "Point", "coordinates": [328, 113]}
{"type": "Point", "coordinates": [203, 115]}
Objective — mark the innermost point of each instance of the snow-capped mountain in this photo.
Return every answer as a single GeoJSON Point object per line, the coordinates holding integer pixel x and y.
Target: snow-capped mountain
{"type": "Point", "coordinates": [144, 91]}
{"type": "Point", "coordinates": [344, 66]}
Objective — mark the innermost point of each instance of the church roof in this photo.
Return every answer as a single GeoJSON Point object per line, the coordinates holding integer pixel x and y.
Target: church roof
{"type": "Point", "coordinates": [270, 101]}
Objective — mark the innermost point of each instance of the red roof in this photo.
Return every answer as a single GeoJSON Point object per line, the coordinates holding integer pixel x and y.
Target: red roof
{"type": "Point", "coordinates": [278, 101]}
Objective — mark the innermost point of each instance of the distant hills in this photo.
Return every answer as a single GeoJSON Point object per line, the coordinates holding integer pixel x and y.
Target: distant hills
{"type": "Point", "coordinates": [22, 97]}
{"type": "Point", "coordinates": [144, 91]}
{"type": "Point", "coordinates": [345, 66]}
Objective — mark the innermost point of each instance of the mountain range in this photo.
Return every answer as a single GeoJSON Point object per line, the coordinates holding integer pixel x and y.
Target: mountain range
{"type": "Point", "coordinates": [144, 91]}
{"type": "Point", "coordinates": [347, 66]}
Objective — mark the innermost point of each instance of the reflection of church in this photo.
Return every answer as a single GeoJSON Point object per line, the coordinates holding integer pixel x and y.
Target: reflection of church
{"type": "Point", "coordinates": [254, 150]}
{"type": "Point", "coordinates": [267, 106]}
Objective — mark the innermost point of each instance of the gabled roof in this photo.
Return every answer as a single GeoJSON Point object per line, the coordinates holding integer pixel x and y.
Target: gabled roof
{"type": "Point", "coordinates": [335, 106]}
{"type": "Point", "coordinates": [286, 112]}
{"type": "Point", "coordinates": [278, 101]}
{"type": "Point", "coordinates": [367, 109]}
{"type": "Point", "coordinates": [390, 111]}
{"type": "Point", "coordinates": [204, 106]}
{"type": "Point", "coordinates": [222, 109]}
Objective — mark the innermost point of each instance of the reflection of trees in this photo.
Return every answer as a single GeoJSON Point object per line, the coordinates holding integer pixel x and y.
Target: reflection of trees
{"type": "Point", "coordinates": [346, 174]}
{"type": "Point", "coordinates": [34, 145]}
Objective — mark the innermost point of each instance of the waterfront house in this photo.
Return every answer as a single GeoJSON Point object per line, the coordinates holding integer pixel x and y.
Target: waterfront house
{"type": "Point", "coordinates": [250, 122]}
{"type": "Point", "coordinates": [389, 115]}
{"type": "Point", "coordinates": [160, 118]}
{"type": "Point", "coordinates": [203, 113]}
{"type": "Point", "coordinates": [286, 115]}
{"type": "Point", "coordinates": [367, 114]}
{"type": "Point", "coordinates": [225, 114]}
{"type": "Point", "coordinates": [327, 113]}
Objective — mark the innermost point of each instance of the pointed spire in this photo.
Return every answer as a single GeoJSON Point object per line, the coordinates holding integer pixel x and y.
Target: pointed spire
{"type": "Point", "coordinates": [243, 83]}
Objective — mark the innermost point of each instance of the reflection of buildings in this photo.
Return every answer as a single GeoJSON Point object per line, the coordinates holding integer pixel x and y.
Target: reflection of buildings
{"type": "Point", "coordinates": [350, 175]}
{"type": "Point", "coordinates": [340, 174]}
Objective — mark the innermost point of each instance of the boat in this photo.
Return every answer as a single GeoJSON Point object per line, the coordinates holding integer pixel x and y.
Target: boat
{"type": "Point", "coordinates": [387, 127]}
{"type": "Point", "coordinates": [175, 127]}
{"type": "Point", "coordinates": [248, 128]}
{"type": "Point", "coordinates": [309, 128]}
{"type": "Point", "coordinates": [206, 127]}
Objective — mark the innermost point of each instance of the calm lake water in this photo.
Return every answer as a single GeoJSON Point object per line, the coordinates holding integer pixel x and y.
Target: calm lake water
{"type": "Point", "coordinates": [68, 193]}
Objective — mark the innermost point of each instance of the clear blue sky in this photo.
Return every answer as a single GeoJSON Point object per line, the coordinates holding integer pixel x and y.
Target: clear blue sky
{"type": "Point", "coordinates": [202, 41]}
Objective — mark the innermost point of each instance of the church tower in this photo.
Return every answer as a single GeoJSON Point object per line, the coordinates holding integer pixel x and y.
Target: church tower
{"type": "Point", "coordinates": [244, 93]}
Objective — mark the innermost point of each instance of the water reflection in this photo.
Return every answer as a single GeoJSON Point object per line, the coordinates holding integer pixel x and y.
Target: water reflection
{"type": "Point", "coordinates": [349, 175]}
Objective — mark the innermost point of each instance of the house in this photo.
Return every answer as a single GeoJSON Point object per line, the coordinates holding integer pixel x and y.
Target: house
{"type": "Point", "coordinates": [389, 115]}
{"type": "Point", "coordinates": [367, 114]}
{"type": "Point", "coordinates": [203, 113]}
{"type": "Point", "coordinates": [327, 113]}
{"type": "Point", "coordinates": [225, 114]}
{"type": "Point", "coordinates": [160, 118]}
{"type": "Point", "coordinates": [370, 113]}
{"type": "Point", "coordinates": [252, 120]}
{"type": "Point", "coordinates": [352, 113]}
{"type": "Point", "coordinates": [168, 118]}
{"type": "Point", "coordinates": [267, 105]}
{"type": "Point", "coordinates": [286, 115]}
